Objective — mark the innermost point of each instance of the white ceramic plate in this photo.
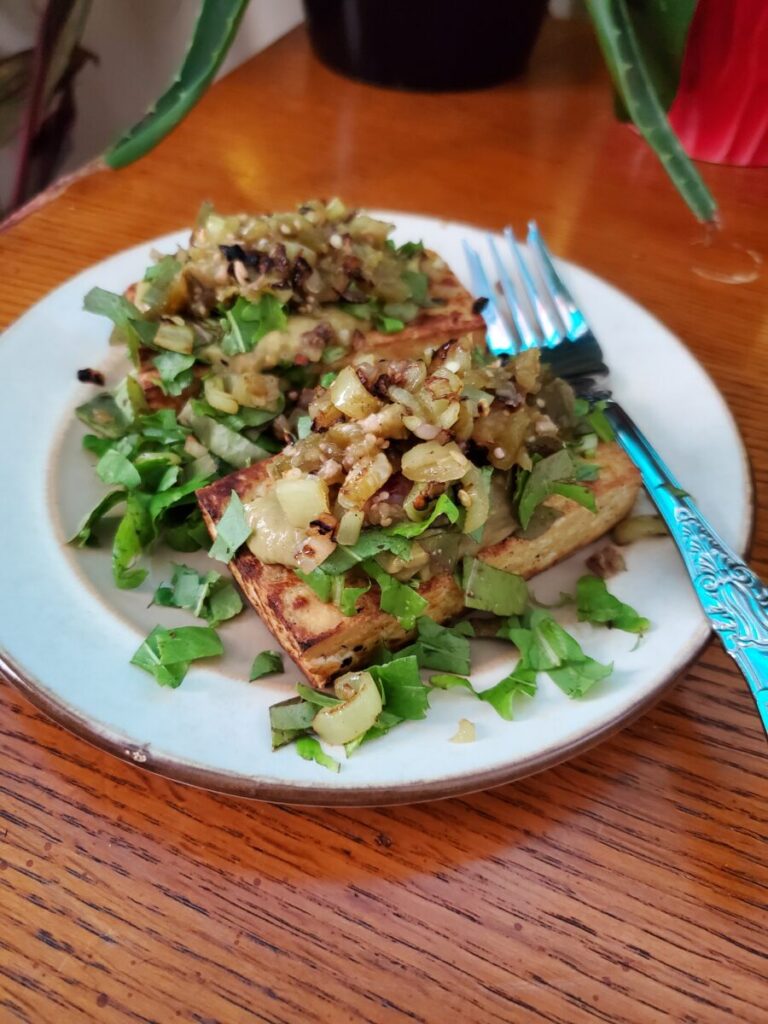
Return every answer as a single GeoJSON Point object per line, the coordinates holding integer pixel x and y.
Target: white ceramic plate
{"type": "Point", "coordinates": [67, 634]}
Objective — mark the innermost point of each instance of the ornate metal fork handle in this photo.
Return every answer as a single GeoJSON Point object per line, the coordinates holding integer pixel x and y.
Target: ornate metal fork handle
{"type": "Point", "coordinates": [733, 598]}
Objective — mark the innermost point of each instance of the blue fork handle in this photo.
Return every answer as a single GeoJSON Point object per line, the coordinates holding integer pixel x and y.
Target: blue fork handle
{"type": "Point", "coordinates": [734, 599]}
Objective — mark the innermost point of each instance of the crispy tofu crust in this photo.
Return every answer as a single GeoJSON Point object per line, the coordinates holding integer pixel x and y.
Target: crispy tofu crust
{"type": "Point", "coordinates": [431, 328]}
{"type": "Point", "coordinates": [323, 642]}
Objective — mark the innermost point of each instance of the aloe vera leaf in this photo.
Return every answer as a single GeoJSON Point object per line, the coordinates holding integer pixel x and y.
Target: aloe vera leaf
{"type": "Point", "coordinates": [630, 75]}
{"type": "Point", "coordinates": [661, 28]}
{"type": "Point", "coordinates": [214, 31]}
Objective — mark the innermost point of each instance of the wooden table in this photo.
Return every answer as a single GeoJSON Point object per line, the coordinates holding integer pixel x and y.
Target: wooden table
{"type": "Point", "coordinates": [629, 885]}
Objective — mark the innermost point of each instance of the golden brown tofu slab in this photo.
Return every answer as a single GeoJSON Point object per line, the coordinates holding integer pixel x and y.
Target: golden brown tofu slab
{"type": "Point", "coordinates": [323, 642]}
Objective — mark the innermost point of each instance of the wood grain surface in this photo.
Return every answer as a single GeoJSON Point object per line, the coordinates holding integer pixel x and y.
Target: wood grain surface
{"type": "Point", "coordinates": [628, 886]}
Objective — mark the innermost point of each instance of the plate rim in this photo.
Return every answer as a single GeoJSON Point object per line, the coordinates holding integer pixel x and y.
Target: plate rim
{"type": "Point", "coordinates": [233, 784]}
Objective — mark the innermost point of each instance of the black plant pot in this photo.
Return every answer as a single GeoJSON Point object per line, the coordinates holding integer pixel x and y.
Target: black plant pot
{"type": "Point", "coordinates": [429, 45]}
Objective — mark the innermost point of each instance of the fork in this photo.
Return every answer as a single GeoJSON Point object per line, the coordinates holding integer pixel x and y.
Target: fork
{"type": "Point", "coordinates": [733, 598]}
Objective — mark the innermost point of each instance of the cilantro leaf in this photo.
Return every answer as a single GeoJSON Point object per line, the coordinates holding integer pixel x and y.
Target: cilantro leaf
{"type": "Point", "coordinates": [492, 590]}
{"type": "Point", "coordinates": [444, 506]}
{"type": "Point", "coordinates": [404, 694]}
{"type": "Point", "coordinates": [175, 371]}
{"type": "Point", "coordinates": [248, 322]}
{"type": "Point", "coordinates": [309, 748]}
{"type": "Point", "coordinates": [594, 603]}
{"type": "Point", "coordinates": [397, 599]}
{"type": "Point", "coordinates": [266, 663]}
{"type": "Point", "coordinates": [232, 530]}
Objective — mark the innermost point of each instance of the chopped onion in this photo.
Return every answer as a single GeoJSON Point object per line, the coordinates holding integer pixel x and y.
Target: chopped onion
{"type": "Point", "coordinates": [350, 397]}
{"type": "Point", "coordinates": [363, 480]}
{"type": "Point", "coordinates": [637, 527]}
{"type": "Point", "coordinates": [435, 462]}
{"type": "Point", "coordinates": [362, 705]}
{"type": "Point", "coordinates": [350, 525]}
{"type": "Point", "coordinates": [302, 499]}
{"type": "Point", "coordinates": [465, 733]}
{"type": "Point", "coordinates": [175, 337]}
{"type": "Point", "coordinates": [216, 396]}
{"type": "Point", "coordinates": [477, 486]}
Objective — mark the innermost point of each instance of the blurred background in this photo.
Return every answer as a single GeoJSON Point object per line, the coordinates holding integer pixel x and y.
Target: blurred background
{"type": "Point", "coordinates": [115, 58]}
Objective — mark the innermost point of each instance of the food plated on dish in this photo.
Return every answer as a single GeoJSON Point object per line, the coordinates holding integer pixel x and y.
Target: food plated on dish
{"type": "Point", "coordinates": [380, 485]}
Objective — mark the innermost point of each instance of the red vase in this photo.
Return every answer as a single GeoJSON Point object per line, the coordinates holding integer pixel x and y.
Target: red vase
{"type": "Point", "coordinates": [720, 112]}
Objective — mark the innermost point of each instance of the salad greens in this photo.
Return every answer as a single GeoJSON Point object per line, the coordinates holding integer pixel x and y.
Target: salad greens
{"type": "Point", "coordinates": [267, 663]}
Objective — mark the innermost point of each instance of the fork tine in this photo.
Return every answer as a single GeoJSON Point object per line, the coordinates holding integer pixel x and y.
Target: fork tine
{"type": "Point", "coordinates": [552, 335]}
{"type": "Point", "coordinates": [572, 317]}
{"type": "Point", "coordinates": [501, 340]}
{"type": "Point", "coordinates": [525, 330]}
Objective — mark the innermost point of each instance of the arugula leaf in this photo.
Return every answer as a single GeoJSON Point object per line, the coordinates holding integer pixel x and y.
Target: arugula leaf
{"type": "Point", "coordinates": [131, 326]}
{"type": "Point", "coordinates": [444, 506]}
{"type": "Point", "coordinates": [210, 597]}
{"type": "Point", "coordinates": [175, 371]}
{"type": "Point", "coordinates": [404, 694]}
{"type": "Point", "coordinates": [594, 603]}
{"type": "Point", "coordinates": [115, 468]}
{"type": "Point", "coordinates": [492, 590]}
{"type": "Point", "coordinates": [133, 533]}
{"type": "Point", "coordinates": [85, 530]}
{"type": "Point", "coordinates": [440, 647]}
{"type": "Point", "coordinates": [537, 487]}
{"type": "Point", "coordinates": [370, 542]}
{"type": "Point", "coordinates": [167, 653]}
{"type": "Point", "coordinates": [309, 748]}
{"type": "Point", "coordinates": [397, 599]}
{"type": "Point", "coordinates": [232, 530]}
{"type": "Point", "coordinates": [267, 663]}
{"type": "Point", "coordinates": [248, 322]}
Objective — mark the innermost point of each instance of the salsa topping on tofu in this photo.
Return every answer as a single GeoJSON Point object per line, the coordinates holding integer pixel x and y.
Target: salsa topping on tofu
{"type": "Point", "coordinates": [422, 462]}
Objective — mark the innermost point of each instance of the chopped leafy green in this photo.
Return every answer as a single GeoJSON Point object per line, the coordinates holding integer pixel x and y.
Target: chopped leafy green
{"type": "Point", "coordinates": [175, 370]}
{"type": "Point", "coordinates": [408, 249]}
{"type": "Point", "coordinates": [130, 398]}
{"type": "Point", "coordinates": [595, 604]}
{"type": "Point", "coordinates": [248, 322]}
{"type": "Point", "coordinates": [370, 543]}
{"type": "Point", "coordinates": [404, 694]}
{"type": "Point", "coordinates": [501, 696]}
{"type": "Point", "coordinates": [115, 468]}
{"type": "Point", "coordinates": [266, 663]}
{"type": "Point", "coordinates": [444, 506]}
{"type": "Point", "coordinates": [167, 653]}
{"type": "Point", "coordinates": [172, 496]}
{"type": "Point", "coordinates": [541, 481]}
{"type": "Point", "coordinates": [160, 277]}
{"type": "Point", "coordinates": [210, 597]}
{"type": "Point", "coordinates": [131, 326]}
{"type": "Point", "coordinates": [397, 599]}
{"type": "Point", "coordinates": [440, 647]}
{"type": "Point", "coordinates": [317, 697]}
{"type": "Point", "coordinates": [346, 598]}
{"type": "Point", "coordinates": [162, 426]}
{"type": "Point", "coordinates": [232, 530]}
{"type": "Point", "coordinates": [103, 415]}
{"type": "Point", "coordinates": [133, 533]}
{"type": "Point", "coordinates": [449, 681]}
{"type": "Point", "coordinates": [85, 530]}
{"type": "Point", "coordinates": [328, 378]}
{"type": "Point", "coordinates": [554, 651]}
{"type": "Point", "coordinates": [388, 324]}
{"type": "Point", "coordinates": [190, 534]}
{"type": "Point", "coordinates": [575, 492]}
{"type": "Point", "coordinates": [418, 282]}
{"type": "Point", "coordinates": [600, 423]}
{"type": "Point", "coordinates": [332, 353]}
{"type": "Point", "coordinates": [292, 715]}
{"type": "Point", "coordinates": [318, 582]}
{"type": "Point", "coordinates": [220, 439]}
{"type": "Point", "coordinates": [492, 590]}
{"type": "Point", "coordinates": [309, 748]}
